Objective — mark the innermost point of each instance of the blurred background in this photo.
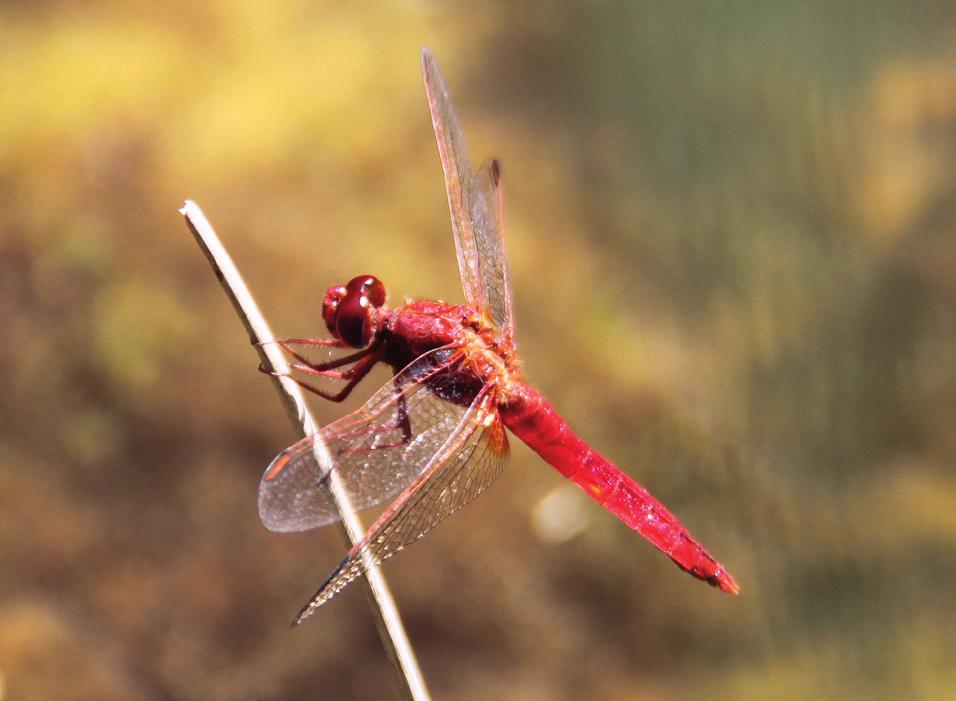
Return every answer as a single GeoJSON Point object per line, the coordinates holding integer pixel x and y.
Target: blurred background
{"type": "Point", "coordinates": [731, 233]}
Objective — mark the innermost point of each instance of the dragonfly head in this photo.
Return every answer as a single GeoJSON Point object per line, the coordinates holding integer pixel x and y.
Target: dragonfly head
{"type": "Point", "coordinates": [347, 309]}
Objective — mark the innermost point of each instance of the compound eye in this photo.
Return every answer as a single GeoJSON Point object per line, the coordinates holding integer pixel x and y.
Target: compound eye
{"type": "Point", "coordinates": [375, 291]}
{"type": "Point", "coordinates": [353, 322]}
{"type": "Point", "coordinates": [369, 287]}
{"type": "Point", "coordinates": [330, 307]}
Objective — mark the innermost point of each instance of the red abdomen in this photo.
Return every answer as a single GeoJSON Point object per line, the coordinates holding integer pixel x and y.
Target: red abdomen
{"type": "Point", "coordinates": [535, 421]}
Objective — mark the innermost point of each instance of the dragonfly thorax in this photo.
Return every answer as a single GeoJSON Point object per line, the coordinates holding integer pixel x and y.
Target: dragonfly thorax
{"type": "Point", "coordinates": [347, 309]}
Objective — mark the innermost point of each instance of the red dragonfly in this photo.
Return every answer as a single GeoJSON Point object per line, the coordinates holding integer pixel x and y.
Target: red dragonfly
{"type": "Point", "coordinates": [433, 438]}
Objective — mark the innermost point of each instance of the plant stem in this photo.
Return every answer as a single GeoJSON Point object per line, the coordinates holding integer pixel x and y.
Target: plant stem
{"type": "Point", "coordinates": [387, 619]}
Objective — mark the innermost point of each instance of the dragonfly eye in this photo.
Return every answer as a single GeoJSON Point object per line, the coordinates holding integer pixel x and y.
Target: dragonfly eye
{"type": "Point", "coordinates": [330, 307]}
{"type": "Point", "coordinates": [373, 288]}
{"type": "Point", "coordinates": [352, 311]}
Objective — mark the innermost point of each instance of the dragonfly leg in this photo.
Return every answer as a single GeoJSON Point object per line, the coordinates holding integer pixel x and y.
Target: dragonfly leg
{"type": "Point", "coordinates": [333, 342]}
{"type": "Point", "coordinates": [287, 343]}
{"type": "Point", "coordinates": [402, 422]}
{"type": "Point", "coordinates": [316, 368]}
{"type": "Point", "coordinates": [329, 365]}
{"type": "Point", "coordinates": [333, 374]}
{"type": "Point", "coordinates": [354, 375]}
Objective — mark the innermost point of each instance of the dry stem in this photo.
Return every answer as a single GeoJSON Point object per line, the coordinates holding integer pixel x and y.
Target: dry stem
{"type": "Point", "coordinates": [387, 619]}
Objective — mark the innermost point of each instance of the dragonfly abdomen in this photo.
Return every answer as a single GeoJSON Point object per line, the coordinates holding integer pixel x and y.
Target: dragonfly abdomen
{"type": "Point", "coordinates": [532, 418]}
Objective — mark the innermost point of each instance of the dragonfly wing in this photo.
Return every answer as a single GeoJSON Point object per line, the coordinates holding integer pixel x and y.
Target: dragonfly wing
{"type": "Point", "coordinates": [474, 202]}
{"type": "Point", "coordinates": [471, 459]}
{"type": "Point", "coordinates": [376, 451]}
{"type": "Point", "coordinates": [459, 179]}
{"type": "Point", "coordinates": [495, 277]}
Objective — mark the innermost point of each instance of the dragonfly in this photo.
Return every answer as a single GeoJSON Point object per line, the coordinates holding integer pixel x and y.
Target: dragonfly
{"type": "Point", "coordinates": [433, 438]}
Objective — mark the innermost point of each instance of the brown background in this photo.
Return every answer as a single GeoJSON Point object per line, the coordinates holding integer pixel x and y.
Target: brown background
{"type": "Point", "coordinates": [733, 251]}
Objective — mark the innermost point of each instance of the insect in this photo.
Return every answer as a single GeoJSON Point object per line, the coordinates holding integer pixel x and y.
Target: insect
{"type": "Point", "coordinates": [434, 437]}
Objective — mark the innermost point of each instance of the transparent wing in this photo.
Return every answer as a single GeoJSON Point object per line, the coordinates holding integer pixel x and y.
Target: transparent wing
{"type": "Point", "coordinates": [376, 451]}
{"type": "Point", "coordinates": [470, 460]}
{"type": "Point", "coordinates": [496, 278]}
{"type": "Point", "coordinates": [474, 204]}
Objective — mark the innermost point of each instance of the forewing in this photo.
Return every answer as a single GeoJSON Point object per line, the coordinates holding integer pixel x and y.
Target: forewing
{"type": "Point", "coordinates": [473, 201]}
{"type": "Point", "coordinates": [376, 451]}
{"type": "Point", "coordinates": [470, 461]}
